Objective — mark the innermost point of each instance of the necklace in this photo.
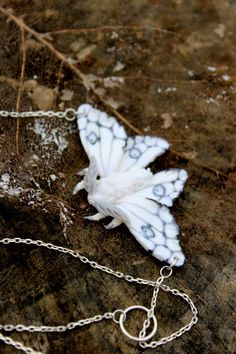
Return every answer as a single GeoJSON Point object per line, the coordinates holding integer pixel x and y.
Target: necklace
{"type": "Point", "coordinates": [119, 315]}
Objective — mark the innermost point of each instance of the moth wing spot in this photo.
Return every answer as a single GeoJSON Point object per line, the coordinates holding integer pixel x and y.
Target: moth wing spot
{"type": "Point", "coordinates": [92, 138]}
{"type": "Point", "coordinates": [147, 231]}
{"type": "Point", "coordinates": [158, 190]}
{"type": "Point", "coordinates": [134, 153]}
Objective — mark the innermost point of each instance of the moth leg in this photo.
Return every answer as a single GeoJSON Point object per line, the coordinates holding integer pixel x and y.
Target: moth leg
{"type": "Point", "coordinates": [78, 187]}
{"type": "Point", "coordinates": [95, 217]}
{"type": "Point", "coordinates": [82, 172]}
{"type": "Point", "coordinates": [114, 223]}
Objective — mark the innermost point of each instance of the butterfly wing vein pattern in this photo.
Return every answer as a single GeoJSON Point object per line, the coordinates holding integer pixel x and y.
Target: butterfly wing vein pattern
{"type": "Point", "coordinates": [126, 189]}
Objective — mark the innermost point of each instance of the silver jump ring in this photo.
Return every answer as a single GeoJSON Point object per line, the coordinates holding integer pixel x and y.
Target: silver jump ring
{"type": "Point", "coordinates": [126, 333]}
{"type": "Point", "coordinates": [70, 114]}
{"type": "Point", "coordinates": [166, 271]}
{"type": "Point", "coordinates": [117, 313]}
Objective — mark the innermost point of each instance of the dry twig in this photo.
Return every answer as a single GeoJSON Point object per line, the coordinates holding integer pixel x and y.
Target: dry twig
{"type": "Point", "coordinates": [58, 82]}
{"type": "Point", "coordinates": [110, 28]}
{"type": "Point", "coordinates": [20, 85]}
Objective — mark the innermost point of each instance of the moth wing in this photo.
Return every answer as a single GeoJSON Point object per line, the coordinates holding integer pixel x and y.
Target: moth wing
{"type": "Point", "coordinates": [91, 175]}
{"type": "Point", "coordinates": [165, 186]}
{"type": "Point", "coordinates": [102, 137]}
{"type": "Point", "coordinates": [153, 226]}
{"type": "Point", "coordinates": [140, 151]}
{"type": "Point", "coordinates": [105, 139]}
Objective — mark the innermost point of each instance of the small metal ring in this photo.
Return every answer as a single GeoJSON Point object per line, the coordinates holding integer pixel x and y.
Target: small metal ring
{"type": "Point", "coordinates": [70, 114]}
{"type": "Point", "coordinates": [126, 333]}
{"type": "Point", "coordinates": [118, 313]}
{"type": "Point", "coordinates": [166, 268]}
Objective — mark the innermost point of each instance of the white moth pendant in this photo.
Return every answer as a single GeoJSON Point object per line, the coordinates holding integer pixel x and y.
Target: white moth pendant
{"type": "Point", "coordinates": [119, 185]}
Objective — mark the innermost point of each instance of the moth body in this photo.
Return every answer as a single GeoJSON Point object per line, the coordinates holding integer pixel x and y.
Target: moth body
{"type": "Point", "coordinates": [119, 184]}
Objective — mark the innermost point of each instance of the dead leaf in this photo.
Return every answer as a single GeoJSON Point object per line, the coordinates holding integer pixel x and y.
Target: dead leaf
{"type": "Point", "coordinates": [220, 30]}
{"type": "Point", "coordinates": [85, 52]}
{"type": "Point", "coordinates": [43, 97]}
{"type": "Point", "coordinates": [190, 155]}
{"type": "Point", "coordinates": [31, 43]}
{"type": "Point", "coordinates": [67, 95]}
{"type": "Point", "coordinates": [30, 85]}
{"type": "Point", "coordinates": [167, 120]}
{"type": "Point", "coordinates": [119, 66]}
{"type": "Point", "coordinates": [77, 45]}
{"type": "Point", "coordinates": [112, 81]}
{"type": "Point", "coordinates": [113, 103]}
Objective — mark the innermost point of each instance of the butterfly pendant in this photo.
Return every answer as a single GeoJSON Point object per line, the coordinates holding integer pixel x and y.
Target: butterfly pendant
{"type": "Point", "coordinates": [119, 185]}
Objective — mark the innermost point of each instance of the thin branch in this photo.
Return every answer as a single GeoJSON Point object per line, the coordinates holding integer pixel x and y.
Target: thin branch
{"type": "Point", "coordinates": [110, 28]}
{"type": "Point", "coordinates": [20, 85]}
{"type": "Point", "coordinates": [58, 83]}
{"type": "Point", "coordinates": [149, 78]}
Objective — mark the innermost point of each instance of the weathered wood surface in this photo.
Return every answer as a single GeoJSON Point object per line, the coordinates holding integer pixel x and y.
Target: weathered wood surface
{"type": "Point", "coordinates": [176, 65]}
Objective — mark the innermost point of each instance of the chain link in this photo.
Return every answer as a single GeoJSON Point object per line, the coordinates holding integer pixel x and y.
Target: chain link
{"type": "Point", "coordinates": [181, 331]}
{"type": "Point", "coordinates": [69, 114]}
{"type": "Point", "coordinates": [175, 292]}
{"type": "Point", "coordinates": [159, 281]}
{"type": "Point", "coordinates": [18, 345]}
{"type": "Point", "coordinates": [108, 315]}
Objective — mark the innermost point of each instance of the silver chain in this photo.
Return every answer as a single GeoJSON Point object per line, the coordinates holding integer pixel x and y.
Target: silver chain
{"type": "Point", "coordinates": [159, 281]}
{"type": "Point", "coordinates": [69, 114]}
{"type": "Point", "coordinates": [157, 285]}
